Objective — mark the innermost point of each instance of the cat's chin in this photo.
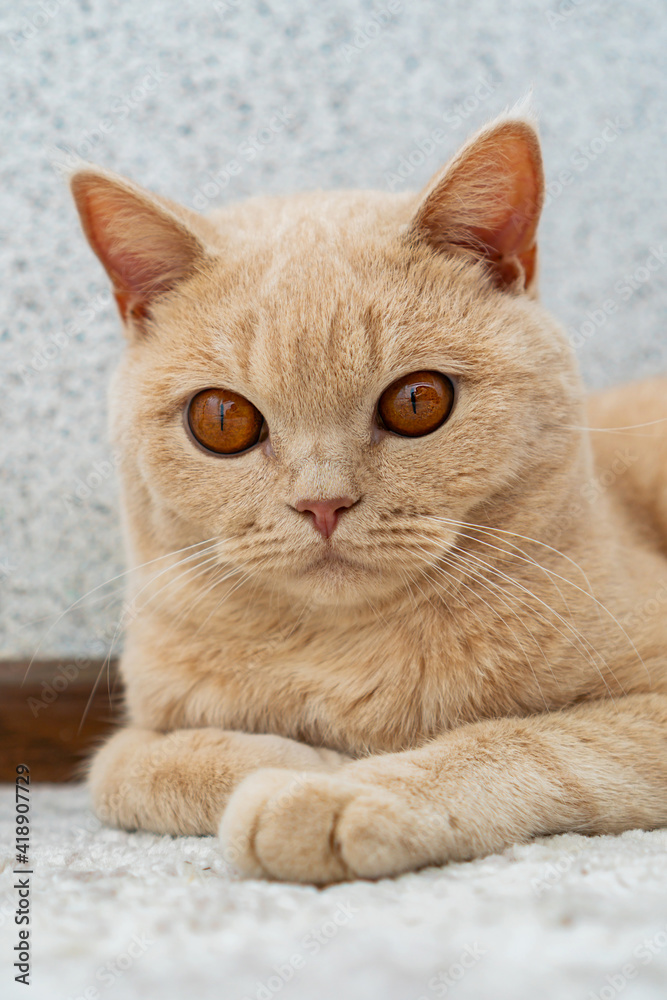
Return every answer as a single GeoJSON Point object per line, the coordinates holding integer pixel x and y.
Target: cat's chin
{"type": "Point", "coordinates": [334, 577]}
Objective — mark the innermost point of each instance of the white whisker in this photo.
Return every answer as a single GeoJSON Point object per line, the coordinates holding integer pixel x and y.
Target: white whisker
{"type": "Point", "coordinates": [585, 646]}
{"type": "Point", "coordinates": [497, 614]}
{"type": "Point", "coordinates": [589, 593]}
{"type": "Point", "coordinates": [94, 590]}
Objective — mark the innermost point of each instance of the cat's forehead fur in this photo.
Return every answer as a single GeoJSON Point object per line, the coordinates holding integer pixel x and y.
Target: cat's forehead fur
{"type": "Point", "coordinates": [319, 301]}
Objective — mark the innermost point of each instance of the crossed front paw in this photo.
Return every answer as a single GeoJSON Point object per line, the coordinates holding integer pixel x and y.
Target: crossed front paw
{"type": "Point", "coordinates": [322, 828]}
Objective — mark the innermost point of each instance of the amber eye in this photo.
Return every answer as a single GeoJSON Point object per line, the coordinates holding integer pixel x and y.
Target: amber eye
{"type": "Point", "coordinates": [223, 421]}
{"type": "Point", "coordinates": [417, 404]}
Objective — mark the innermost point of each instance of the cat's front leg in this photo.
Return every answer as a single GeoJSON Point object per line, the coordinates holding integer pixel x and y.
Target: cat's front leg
{"type": "Point", "coordinates": [179, 782]}
{"type": "Point", "coordinates": [595, 768]}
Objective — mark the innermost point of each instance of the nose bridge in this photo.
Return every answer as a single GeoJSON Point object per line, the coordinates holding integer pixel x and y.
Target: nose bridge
{"type": "Point", "coordinates": [322, 476]}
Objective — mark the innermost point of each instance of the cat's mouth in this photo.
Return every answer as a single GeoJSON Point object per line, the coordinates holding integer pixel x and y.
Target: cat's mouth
{"type": "Point", "coordinates": [330, 560]}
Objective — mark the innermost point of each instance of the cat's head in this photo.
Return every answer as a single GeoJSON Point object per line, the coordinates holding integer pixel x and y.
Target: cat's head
{"type": "Point", "coordinates": [328, 382]}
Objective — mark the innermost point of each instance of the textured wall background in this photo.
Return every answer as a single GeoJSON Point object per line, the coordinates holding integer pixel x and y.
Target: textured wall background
{"type": "Point", "coordinates": [172, 92]}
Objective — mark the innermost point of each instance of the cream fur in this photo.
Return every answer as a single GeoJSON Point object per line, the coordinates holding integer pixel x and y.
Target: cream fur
{"type": "Point", "coordinates": [477, 654]}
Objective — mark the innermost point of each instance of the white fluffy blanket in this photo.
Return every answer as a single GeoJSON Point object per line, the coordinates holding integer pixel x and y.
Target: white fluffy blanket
{"type": "Point", "coordinates": [118, 915]}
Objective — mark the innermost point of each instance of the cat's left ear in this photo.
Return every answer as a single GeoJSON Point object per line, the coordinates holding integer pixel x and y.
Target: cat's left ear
{"type": "Point", "coordinates": [146, 244]}
{"type": "Point", "coordinates": [487, 201]}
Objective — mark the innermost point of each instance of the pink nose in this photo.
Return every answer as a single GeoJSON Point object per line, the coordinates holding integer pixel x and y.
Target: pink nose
{"type": "Point", "coordinates": [325, 512]}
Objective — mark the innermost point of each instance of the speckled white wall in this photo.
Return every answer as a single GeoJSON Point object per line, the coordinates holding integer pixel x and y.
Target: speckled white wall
{"type": "Point", "coordinates": [183, 97]}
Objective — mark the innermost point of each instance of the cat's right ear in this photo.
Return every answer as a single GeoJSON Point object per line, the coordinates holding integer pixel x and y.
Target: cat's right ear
{"type": "Point", "coordinates": [486, 203]}
{"type": "Point", "coordinates": [146, 245]}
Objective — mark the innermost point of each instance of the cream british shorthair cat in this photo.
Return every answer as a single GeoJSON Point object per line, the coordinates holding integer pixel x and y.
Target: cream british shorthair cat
{"type": "Point", "coordinates": [378, 621]}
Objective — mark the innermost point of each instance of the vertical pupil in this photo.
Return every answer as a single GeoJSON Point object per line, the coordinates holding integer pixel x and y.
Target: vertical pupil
{"type": "Point", "coordinates": [222, 417]}
{"type": "Point", "coordinates": [413, 397]}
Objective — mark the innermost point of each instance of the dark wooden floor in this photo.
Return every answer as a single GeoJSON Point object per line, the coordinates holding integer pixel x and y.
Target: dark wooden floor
{"type": "Point", "coordinates": [48, 719]}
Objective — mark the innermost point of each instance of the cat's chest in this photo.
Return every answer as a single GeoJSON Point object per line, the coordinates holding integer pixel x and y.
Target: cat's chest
{"type": "Point", "coordinates": [380, 685]}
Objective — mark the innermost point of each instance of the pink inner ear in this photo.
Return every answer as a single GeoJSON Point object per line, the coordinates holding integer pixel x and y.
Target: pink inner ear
{"type": "Point", "coordinates": [144, 251]}
{"type": "Point", "coordinates": [489, 202]}
{"type": "Point", "coordinates": [510, 230]}
{"type": "Point", "coordinates": [143, 248]}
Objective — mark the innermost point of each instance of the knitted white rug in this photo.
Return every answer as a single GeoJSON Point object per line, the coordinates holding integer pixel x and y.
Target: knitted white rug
{"type": "Point", "coordinates": [135, 916]}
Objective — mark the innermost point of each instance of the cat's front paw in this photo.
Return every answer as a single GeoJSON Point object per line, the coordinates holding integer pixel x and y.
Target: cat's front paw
{"type": "Point", "coordinates": [321, 828]}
